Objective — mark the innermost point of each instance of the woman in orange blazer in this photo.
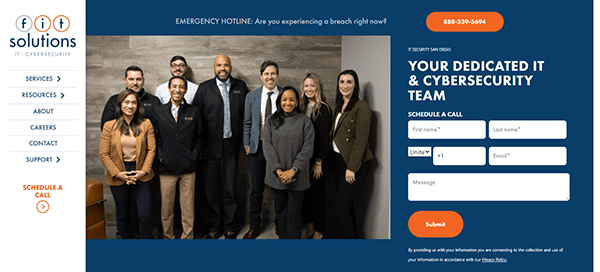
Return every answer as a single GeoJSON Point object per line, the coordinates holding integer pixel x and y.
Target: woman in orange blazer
{"type": "Point", "coordinates": [127, 150]}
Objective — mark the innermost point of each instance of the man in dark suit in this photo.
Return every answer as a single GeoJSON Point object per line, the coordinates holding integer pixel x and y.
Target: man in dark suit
{"type": "Point", "coordinates": [134, 79]}
{"type": "Point", "coordinates": [178, 132]}
{"type": "Point", "coordinates": [260, 103]}
{"type": "Point", "coordinates": [221, 103]}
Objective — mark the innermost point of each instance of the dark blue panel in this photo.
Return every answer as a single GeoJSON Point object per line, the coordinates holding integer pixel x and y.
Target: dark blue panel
{"type": "Point", "coordinates": [561, 35]}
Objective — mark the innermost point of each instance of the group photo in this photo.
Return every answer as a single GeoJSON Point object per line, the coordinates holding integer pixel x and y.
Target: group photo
{"type": "Point", "coordinates": [238, 137]}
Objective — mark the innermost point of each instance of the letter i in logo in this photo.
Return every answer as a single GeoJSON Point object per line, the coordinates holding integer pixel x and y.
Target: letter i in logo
{"type": "Point", "coordinates": [42, 23]}
{"type": "Point", "coordinates": [23, 23]}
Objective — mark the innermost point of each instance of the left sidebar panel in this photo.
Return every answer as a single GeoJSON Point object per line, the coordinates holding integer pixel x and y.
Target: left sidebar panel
{"type": "Point", "coordinates": [42, 192]}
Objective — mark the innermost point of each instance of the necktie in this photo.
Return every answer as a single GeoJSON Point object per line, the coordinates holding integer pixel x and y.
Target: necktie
{"type": "Point", "coordinates": [226, 111]}
{"type": "Point", "coordinates": [269, 107]}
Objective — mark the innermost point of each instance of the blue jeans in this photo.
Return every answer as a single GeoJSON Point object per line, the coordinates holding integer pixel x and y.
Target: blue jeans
{"type": "Point", "coordinates": [141, 194]}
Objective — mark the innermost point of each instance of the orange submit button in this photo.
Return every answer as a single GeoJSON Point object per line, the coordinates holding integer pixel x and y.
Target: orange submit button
{"type": "Point", "coordinates": [435, 224]}
{"type": "Point", "coordinates": [465, 21]}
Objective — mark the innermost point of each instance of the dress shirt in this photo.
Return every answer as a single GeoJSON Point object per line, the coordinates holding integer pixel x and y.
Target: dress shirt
{"type": "Point", "coordinates": [263, 102]}
{"type": "Point", "coordinates": [174, 111]}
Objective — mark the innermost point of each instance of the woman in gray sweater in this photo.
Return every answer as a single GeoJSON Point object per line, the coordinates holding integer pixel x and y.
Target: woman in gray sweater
{"type": "Point", "coordinates": [288, 138]}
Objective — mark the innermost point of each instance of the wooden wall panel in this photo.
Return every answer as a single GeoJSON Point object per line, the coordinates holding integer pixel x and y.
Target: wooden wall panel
{"type": "Point", "coordinates": [109, 56]}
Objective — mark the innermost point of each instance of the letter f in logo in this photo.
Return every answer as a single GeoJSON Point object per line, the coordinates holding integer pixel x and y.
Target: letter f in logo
{"type": "Point", "coordinates": [23, 23]}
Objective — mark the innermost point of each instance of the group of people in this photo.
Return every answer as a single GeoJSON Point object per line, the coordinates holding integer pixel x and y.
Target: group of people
{"type": "Point", "coordinates": [189, 135]}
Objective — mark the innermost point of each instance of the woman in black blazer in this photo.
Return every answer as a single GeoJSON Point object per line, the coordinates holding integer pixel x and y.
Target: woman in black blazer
{"type": "Point", "coordinates": [351, 156]}
{"type": "Point", "coordinates": [312, 103]}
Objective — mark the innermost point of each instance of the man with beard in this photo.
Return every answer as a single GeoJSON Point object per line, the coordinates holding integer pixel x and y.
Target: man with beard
{"type": "Point", "coordinates": [134, 79]}
{"type": "Point", "coordinates": [178, 68]}
{"type": "Point", "coordinates": [221, 104]}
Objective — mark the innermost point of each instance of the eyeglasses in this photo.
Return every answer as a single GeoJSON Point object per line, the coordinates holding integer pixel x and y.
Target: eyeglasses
{"type": "Point", "coordinates": [182, 65]}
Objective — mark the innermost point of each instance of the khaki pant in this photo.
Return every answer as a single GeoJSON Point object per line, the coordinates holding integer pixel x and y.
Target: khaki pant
{"type": "Point", "coordinates": [187, 184]}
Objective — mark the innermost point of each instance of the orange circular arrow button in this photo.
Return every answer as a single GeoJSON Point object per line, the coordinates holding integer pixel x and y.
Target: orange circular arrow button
{"type": "Point", "coordinates": [42, 206]}
{"type": "Point", "coordinates": [465, 21]}
{"type": "Point", "coordinates": [435, 224]}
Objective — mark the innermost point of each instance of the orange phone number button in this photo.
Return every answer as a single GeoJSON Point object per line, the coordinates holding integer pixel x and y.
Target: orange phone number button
{"type": "Point", "coordinates": [465, 21]}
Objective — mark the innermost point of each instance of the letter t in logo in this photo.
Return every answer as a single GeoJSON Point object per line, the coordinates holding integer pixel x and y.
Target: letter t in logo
{"type": "Point", "coordinates": [61, 23]}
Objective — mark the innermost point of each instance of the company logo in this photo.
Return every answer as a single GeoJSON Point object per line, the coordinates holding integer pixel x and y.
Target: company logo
{"type": "Point", "coordinates": [42, 24]}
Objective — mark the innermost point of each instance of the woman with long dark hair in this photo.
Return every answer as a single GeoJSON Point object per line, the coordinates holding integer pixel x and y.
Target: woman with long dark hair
{"type": "Point", "coordinates": [288, 137]}
{"type": "Point", "coordinates": [312, 103]}
{"type": "Point", "coordinates": [127, 148]}
{"type": "Point", "coordinates": [350, 136]}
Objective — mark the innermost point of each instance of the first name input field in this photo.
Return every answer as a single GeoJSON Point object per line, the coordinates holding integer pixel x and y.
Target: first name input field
{"type": "Point", "coordinates": [477, 129]}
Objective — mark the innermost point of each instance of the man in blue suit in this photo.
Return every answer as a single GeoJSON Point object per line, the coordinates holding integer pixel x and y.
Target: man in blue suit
{"type": "Point", "coordinates": [260, 103]}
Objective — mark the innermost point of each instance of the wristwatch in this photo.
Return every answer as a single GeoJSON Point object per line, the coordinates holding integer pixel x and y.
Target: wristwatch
{"type": "Point", "coordinates": [319, 160]}
{"type": "Point", "coordinates": [295, 169]}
